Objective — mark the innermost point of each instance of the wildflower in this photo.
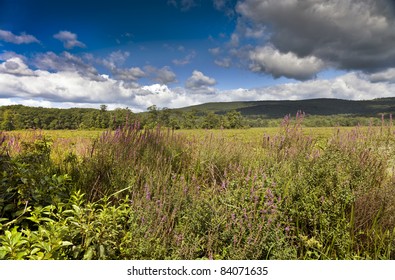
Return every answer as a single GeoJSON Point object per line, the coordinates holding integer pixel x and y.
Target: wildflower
{"type": "Point", "coordinates": [223, 185]}
{"type": "Point", "coordinates": [147, 192]}
{"type": "Point", "coordinates": [233, 217]}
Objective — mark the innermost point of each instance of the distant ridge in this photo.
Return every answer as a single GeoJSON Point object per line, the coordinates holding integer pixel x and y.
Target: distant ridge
{"type": "Point", "coordinates": [319, 106]}
{"type": "Point", "coordinates": [265, 109]}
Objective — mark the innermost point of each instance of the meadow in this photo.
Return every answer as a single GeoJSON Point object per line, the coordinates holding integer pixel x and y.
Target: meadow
{"type": "Point", "coordinates": [271, 193]}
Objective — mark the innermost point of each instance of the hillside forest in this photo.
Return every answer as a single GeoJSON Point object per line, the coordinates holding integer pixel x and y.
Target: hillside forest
{"type": "Point", "coordinates": [318, 113]}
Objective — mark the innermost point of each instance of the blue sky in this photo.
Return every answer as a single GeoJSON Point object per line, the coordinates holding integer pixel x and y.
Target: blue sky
{"type": "Point", "coordinates": [175, 53]}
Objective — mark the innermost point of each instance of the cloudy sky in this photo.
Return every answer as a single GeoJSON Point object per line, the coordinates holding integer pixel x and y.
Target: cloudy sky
{"type": "Point", "coordinates": [175, 53]}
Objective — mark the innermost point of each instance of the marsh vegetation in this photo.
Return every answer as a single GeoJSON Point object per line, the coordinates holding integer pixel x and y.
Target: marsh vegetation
{"type": "Point", "coordinates": [131, 193]}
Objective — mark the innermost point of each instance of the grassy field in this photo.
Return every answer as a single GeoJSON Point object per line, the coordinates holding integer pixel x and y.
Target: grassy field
{"type": "Point", "coordinates": [70, 138]}
{"type": "Point", "coordinates": [273, 193]}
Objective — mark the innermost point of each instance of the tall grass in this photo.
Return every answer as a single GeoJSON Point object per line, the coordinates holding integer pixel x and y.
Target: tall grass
{"type": "Point", "coordinates": [156, 194]}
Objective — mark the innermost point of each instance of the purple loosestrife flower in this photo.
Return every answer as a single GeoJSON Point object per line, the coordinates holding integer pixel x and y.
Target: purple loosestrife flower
{"type": "Point", "coordinates": [223, 185]}
{"type": "Point", "coordinates": [147, 192]}
{"type": "Point", "coordinates": [233, 217]}
{"type": "Point", "coordinates": [179, 238]}
{"type": "Point", "coordinates": [148, 196]}
{"type": "Point", "coordinates": [269, 194]}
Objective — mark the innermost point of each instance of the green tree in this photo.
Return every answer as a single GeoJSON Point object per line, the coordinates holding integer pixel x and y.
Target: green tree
{"type": "Point", "coordinates": [103, 108]}
{"type": "Point", "coordinates": [153, 116]}
{"type": "Point", "coordinates": [8, 120]}
{"type": "Point", "coordinates": [211, 121]}
{"type": "Point", "coordinates": [164, 117]}
{"type": "Point", "coordinates": [189, 119]}
{"type": "Point", "coordinates": [120, 117]}
{"type": "Point", "coordinates": [235, 119]}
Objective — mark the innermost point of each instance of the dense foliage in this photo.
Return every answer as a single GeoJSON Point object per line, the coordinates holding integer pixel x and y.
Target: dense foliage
{"type": "Point", "coordinates": [18, 117]}
{"type": "Point", "coordinates": [153, 194]}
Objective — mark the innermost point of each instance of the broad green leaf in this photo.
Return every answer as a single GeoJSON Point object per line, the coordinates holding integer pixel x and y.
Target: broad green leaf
{"type": "Point", "coordinates": [34, 251]}
{"type": "Point", "coordinates": [89, 254]}
{"type": "Point", "coordinates": [66, 243]}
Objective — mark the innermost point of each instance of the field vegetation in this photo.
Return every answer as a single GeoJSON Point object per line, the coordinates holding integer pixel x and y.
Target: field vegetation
{"type": "Point", "coordinates": [291, 192]}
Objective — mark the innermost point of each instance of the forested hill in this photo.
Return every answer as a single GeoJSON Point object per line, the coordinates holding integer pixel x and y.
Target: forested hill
{"type": "Point", "coordinates": [319, 112]}
{"type": "Point", "coordinates": [322, 107]}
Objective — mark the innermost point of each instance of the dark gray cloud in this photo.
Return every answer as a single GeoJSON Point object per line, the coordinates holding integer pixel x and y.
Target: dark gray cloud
{"type": "Point", "coordinates": [345, 34]}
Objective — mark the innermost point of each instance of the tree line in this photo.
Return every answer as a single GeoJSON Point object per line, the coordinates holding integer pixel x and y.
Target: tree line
{"type": "Point", "coordinates": [17, 117]}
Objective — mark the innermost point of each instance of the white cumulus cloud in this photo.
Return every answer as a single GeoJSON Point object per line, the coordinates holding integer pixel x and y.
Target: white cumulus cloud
{"type": "Point", "coordinates": [54, 85]}
{"type": "Point", "coordinates": [15, 66]}
{"type": "Point", "coordinates": [383, 76]}
{"type": "Point", "coordinates": [200, 83]}
{"type": "Point", "coordinates": [270, 60]}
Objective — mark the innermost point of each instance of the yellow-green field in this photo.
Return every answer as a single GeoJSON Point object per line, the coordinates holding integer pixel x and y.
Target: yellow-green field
{"type": "Point", "coordinates": [250, 135]}
{"type": "Point", "coordinates": [80, 141]}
